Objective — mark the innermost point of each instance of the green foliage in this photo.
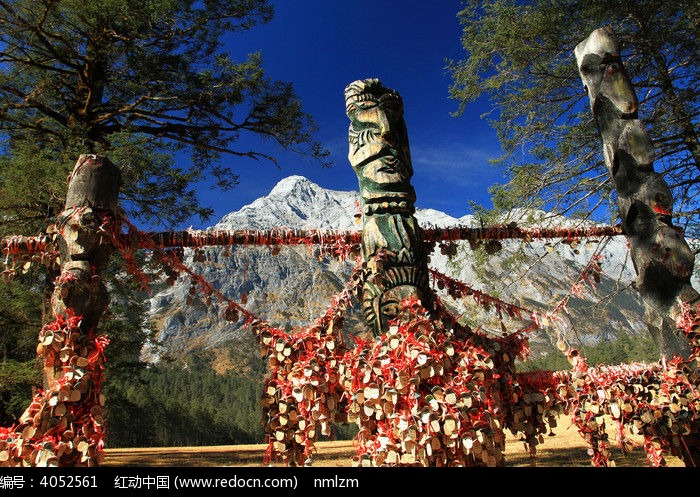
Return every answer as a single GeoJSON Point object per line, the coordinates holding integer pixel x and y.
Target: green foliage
{"type": "Point", "coordinates": [19, 372]}
{"type": "Point", "coordinates": [140, 82]}
{"type": "Point", "coordinates": [126, 322]}
{"type": "Point", "coordinates": [520, 55]}
{"type": "Point", "coordinates": [185, 403]}
{"type": "Point", "coordinates": [32, 188]}
{"type": "Point", "coordinates": [18, 306]}
{"type": "Point", "coordinates": [152, 86]}
{"type": "Point", "coordinates": [553, 361]}
{"type": "Point", "coordinates": [626, 348]}
{"type": "Point", "coordinates": [17, 383]}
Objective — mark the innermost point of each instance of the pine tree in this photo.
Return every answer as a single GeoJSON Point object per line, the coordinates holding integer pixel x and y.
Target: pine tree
{"type": "Point", "coordinates": [139, 82]}
{"type": "Point", "coordinates": [151, 85]}
{"type": "Point", "coordinates": [520, 55]}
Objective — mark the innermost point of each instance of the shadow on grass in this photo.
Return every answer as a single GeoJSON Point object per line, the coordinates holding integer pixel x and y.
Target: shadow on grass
{"type": "Point", "coordinates": [570, 452]}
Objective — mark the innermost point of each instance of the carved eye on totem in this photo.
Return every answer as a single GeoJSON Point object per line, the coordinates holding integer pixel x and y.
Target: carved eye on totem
{"type": "Point", "coordinates": [362, 101]}
{"type": "Point", "coordinates": [365, 104]}
{"type": "Point", "coordinates": [391, 102]}
{"type": "Point", "coordinates": [591, 65]}
{"type": "Point", "coordinates": [389, 308]}
{"type": "Point", "coordinates": [359, 139]}
{"type": "Point", "coordinates": [611, 63]}
{"type": "Point", "coordinates": [372, 117]}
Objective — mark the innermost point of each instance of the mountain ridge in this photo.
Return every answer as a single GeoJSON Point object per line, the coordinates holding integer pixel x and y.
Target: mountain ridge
{"type": "Point", "coordinates": [290, 288]}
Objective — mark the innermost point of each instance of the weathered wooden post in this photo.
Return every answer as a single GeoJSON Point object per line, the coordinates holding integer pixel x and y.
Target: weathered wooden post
{"type": "Point", "coordinates": [662, 258]}
{"type": "Point", "coordinates": [64, 425]}
{"type": "Point", "coordinates": [392, 240]}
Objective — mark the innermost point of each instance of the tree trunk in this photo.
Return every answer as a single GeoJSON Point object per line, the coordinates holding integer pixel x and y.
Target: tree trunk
{"type": "Point", "coordinates": [662, 258]}
{"type": "Point", "coordinates": [70, 409]}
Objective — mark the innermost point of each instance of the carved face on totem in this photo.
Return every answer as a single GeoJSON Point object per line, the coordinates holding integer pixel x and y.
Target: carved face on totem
{"type": "Point", "coordinates": [378, 145]}
{"type": "Point", "coordinates": [627, 147]}
{"type": "Point", "coordinates": [381, 301]}
{"type": "Point", "coordinates": [79, 227]}
{"type": "Point", "coordinates": [380, 155]}
{"type": "Point", "coordinates": [600, 67]}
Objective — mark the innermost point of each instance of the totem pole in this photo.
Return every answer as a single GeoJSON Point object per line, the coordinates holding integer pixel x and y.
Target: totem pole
{"type": "Point", "coordinates": [662, 259]}
{"type": "Point", "coordinates": [424, 392]}
{"type": "Point", "coordinates": [392, 240]}
{"type": "Point", "coordinates": [64, 425]}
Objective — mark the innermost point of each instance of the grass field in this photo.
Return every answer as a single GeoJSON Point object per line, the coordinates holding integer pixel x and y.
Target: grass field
{"type": "Point", "coordinates": [565, 449]}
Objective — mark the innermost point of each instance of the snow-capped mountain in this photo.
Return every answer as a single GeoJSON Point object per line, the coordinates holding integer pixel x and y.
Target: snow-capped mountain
{"type": "Point", "coordinates": [291, 288]}
{"type": "Point", "coordinates": [295, 202]}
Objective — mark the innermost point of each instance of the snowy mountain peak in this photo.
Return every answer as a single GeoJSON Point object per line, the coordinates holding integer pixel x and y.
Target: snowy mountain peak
{"type": "Point", "coordinates": [290, 288]}
{"type": "Point", "coordinates": [296, 202]}
{"type": "Point", "coordinates": [293, 184]}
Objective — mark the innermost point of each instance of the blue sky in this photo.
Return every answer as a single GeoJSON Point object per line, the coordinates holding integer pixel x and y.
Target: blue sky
{"type": "Point", "coordinates": [321, 46]}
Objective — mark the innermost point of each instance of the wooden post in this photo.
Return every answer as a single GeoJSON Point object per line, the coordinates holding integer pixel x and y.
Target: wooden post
{"type": "Point", "coordinates": [392, 240]}
{"type": "Point", "coordinates": [64, 425]}
{"type": "Point", "coordinates": [662, 258]}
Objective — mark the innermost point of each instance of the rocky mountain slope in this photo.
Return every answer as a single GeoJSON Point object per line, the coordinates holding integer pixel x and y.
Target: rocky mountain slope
{"type": "Point", "coordinates": [293, 286]}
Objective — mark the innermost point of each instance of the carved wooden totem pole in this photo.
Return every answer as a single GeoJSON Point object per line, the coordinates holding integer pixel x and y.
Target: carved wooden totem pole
{"type": "Point", "coordinates": [392, 240]}
{"type": "Point", "coordinates": [64, 425]}
{"type": "Point", "coordinates": [407, 388]}
{"type": "Point", "coordinates": [661, 256]}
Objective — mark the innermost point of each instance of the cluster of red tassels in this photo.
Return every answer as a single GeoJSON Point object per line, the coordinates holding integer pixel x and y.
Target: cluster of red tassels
{"type": "Point", "coordinates": [427, 392]}
{"type": "Point", "coordinates": [529, 403]}
{"type": "Point", "coordinates": [64, 425]}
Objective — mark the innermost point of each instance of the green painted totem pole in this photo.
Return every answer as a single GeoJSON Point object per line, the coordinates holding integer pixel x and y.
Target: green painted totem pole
{"type": "Point", "coordinates": [392, 240]}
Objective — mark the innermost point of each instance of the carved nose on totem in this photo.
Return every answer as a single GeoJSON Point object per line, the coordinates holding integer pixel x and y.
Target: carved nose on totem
{"type": "Point", "coordinates": [385, 130]}
{"type": "Point", "coordinates": [389, 137]}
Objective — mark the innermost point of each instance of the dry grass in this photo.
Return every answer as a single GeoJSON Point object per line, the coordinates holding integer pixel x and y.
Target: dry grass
{"type": "Point", "coordinates": [565, 449]}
